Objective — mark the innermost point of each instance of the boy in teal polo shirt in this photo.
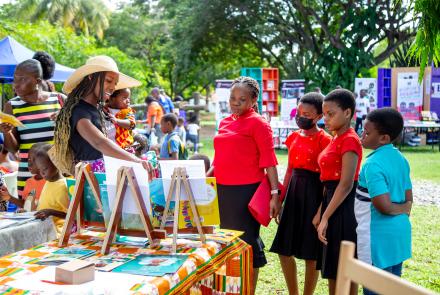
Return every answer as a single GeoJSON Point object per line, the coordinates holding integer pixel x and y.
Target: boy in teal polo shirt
{"type": "Point", "coordinates": [383, 196]}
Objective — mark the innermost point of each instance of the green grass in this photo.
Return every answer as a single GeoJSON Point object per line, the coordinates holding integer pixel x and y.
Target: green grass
{"type": "Point", "coordinates": [422, 269]}
{"type": "Point", "coordinates": [424, 162]}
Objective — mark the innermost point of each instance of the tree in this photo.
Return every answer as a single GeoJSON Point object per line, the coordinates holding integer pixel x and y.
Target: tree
{"type": "Point", "coordinates": [71, 49]}
{"type": "Point", "coordinates": [89, 17]}
{"type": "Point", "coordinates": [168, 58]}
{"type": "Point", "coordinates": [326, 42]}
{"type": "Point", "coordinates": [426, 47]}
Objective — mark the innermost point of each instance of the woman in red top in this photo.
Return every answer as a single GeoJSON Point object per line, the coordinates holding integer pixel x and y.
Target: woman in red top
{"type": "Point", "coordinates": [340, 163]}
{"type": "Point", "coordinates": [296, 236]}
{"type": "Point", "coordinates": [243, 151]}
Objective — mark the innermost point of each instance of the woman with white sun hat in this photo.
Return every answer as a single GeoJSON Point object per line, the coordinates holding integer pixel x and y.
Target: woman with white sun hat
{"type": "Point", "coordinates": [80, 129]}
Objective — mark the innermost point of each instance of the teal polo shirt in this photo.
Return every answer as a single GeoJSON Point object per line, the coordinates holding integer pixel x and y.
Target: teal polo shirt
{"type": "Point", "coordinates": [387, 171]}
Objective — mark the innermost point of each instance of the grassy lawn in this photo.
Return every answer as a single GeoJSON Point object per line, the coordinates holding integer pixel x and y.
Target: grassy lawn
{"type": "Point", "coordinates": [424, 267]}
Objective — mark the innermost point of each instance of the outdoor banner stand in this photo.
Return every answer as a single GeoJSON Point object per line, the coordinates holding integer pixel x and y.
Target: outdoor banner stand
{"type": "Point", "coordinates": [178, 178]}
{"type": "Point", "coordinates": [126, 177]}
{"type": "Point", "coordinates": [83, 173]}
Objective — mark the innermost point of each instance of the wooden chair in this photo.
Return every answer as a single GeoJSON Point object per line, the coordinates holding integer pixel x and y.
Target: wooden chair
{"type": "Point", "coordinates": [352, 270]}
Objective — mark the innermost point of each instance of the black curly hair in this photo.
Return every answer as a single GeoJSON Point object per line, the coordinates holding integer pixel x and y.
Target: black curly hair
{"type": "Point", "coordinates": [47, 63]}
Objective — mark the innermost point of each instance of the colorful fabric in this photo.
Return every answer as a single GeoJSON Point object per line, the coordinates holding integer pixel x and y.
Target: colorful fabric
{"type": "Point", "coordinates": [39, 128]}
{"type": "Point", "coordinates": [209, 269]}
{"type": "Point", "coordinates": [124, 137]}
{"type": "Point", "coordinates": [330, 160]}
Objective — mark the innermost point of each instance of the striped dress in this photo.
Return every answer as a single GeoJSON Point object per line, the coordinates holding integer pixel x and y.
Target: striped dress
{"type": "Point", "coordinates": [39, 128]}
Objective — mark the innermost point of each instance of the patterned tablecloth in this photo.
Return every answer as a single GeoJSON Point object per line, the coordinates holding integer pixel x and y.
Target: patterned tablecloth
{"type": "Point", "coordinates": [211, 268]}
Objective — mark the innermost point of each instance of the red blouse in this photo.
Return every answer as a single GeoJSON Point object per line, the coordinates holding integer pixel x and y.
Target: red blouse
{"type": "Point", "coordinates": [330, 160]}
{"type": "Point", "coordinates": [304, 150]}
{"type": "Point", "coordinates": [243, 148]}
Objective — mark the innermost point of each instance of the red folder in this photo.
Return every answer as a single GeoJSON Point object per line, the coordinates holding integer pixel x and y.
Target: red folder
{"type": "Point", "coordinates": [259, 204]}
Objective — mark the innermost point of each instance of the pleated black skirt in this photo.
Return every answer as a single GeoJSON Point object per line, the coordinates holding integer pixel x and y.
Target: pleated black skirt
{"type": "Point", "coordinates": [296, 235]}
{"type": "Point", "coordinates": [233, 203]}
{"type": "Point", "coordinates": [341, 227]}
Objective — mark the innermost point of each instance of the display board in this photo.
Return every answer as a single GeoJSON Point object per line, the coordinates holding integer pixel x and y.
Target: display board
{"type": "Point", "coordinates": [291, 92]}
{"type": "Point", "coordinates": [367, 87]}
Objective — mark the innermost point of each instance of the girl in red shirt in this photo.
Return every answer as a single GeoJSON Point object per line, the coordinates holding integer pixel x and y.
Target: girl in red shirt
{"type": "Point", "coordinates": [296, 235]}
{"type": "Point", "coordinates": [243, 152]}
{"type": "Point", "coordinates": [339, 163]}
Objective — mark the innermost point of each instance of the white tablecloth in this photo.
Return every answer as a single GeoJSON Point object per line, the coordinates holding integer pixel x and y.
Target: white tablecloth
{"type": "Point", "coordinates": [31, 234]}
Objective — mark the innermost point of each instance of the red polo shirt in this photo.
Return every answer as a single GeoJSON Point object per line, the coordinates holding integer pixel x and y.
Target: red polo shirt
{"type": "Point", "coordinates": [304, 150]}
{"type": "Point", "coordinates": [243, 148]}
{"type": "Point", "coordinates": [330, 160]}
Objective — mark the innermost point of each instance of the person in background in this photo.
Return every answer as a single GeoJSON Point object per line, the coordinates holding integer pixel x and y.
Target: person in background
{"type": "Point", "coordinates": [155, 113]}
{"type": "Point", "coordinates": [384, 196]}
{"type": "Point", "coordinates": [178, 98]}
{"type": "Point", "coordinates": [296, 237]}
{"type": "Point", "coordinates": [244, 153]}
{"type": "Point", "coordinates": [33, 185]}
{"type": "Point", "coordinates": [122, 116]}
{"type": "Point", "coordinates": [362, 110]}
{"type": "Point", "coordinates": [205, 159]}
{"type": "Point", "coordinates": [172, 147]}
{"type": "Point", "coordinates": [54, 198]}
{"type": "Point", "coordinates": [193, 132]}
{"type": "Point", "coordinates": [48, 66]}
{"type": "Point", "coordinates": [181, 129]}
{"type": "Point", "coordinates": [6, 164]}
{"type": "Point", "coordinates": [339, 163]}
{"type": "Point", "coordinates": [164, 101]}
{"type": "Point", "coordinates": [33, 107]}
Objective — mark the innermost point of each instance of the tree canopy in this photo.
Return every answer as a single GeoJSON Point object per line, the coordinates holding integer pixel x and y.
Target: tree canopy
{"type": "Point", "coordinates": [184, 46]}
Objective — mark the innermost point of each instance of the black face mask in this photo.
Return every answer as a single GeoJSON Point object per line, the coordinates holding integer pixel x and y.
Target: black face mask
{"type": "Point", "coordinates": [304, 123]}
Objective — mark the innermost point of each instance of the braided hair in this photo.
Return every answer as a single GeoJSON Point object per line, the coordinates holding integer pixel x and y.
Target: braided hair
{"type": "Point", "coordinates": [251, 84]}
{"type": "Point", "coordinates": [62, 125]}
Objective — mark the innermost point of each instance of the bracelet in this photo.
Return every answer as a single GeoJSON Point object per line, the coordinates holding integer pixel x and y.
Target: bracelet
{"type": "Point", "coordinates": [274, 192]}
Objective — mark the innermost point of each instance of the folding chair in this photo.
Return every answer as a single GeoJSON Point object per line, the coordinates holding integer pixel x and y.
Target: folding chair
{"type": "Point", "coordinates": [377, 280]}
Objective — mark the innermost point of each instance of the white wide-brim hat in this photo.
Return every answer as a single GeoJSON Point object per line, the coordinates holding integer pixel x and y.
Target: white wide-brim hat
{"type": "Point", "coordinates": [100, 63]}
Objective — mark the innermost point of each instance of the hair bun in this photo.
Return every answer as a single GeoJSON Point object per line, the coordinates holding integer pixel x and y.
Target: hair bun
{"type": "Point", "coordinates": [47, 63]}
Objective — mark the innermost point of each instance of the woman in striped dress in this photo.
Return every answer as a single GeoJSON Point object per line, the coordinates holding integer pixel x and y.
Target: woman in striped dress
{"type": "Point", "coordinates": [35, 108]}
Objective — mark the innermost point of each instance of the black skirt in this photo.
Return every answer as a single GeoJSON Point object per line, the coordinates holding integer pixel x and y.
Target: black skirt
{"type": "Point", "coordinates": [233, 203]}
{"type": "Point", "coordinates": [341, 227]}
{"type": "Point", "coordinates": [296, 235]}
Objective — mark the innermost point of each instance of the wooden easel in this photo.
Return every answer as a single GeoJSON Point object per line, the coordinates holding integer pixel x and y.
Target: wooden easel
{"type": "Point", "coordinates": [83, 173]}
{"type": "Point", "coordinates": [126, 177]}
{"type": "Point", "coordinates": [179, 178]}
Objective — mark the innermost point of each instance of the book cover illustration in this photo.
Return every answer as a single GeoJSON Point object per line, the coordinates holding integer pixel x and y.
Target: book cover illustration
{"type": "Point", "coordinates": [63, 255]}
{"type": "Point", "coordinates": [152, 265]}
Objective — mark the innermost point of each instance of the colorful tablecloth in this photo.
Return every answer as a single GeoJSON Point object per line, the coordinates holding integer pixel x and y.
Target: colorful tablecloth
{"type": "Point", "coordinates": [211, 268]}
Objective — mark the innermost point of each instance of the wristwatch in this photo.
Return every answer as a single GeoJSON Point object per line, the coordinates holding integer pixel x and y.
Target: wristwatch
{"type": "Point", "coordinates": [275, 192]}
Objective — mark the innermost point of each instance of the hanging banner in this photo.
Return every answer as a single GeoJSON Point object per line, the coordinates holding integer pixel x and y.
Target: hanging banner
{"type": "Point", "coordinates": [222, 93]}
{"type": "Point", "coordinates": [367, 87]}
{"type": "Point", "coordinates": [409, 95]}
{"type": "Point", "coordinates": [435, 91]}
{"type": "Point", "coordinates": [291, 92]}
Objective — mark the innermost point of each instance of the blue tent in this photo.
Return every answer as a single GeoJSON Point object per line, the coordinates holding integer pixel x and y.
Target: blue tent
{"type": "Point", "coordinates": [12, 53]}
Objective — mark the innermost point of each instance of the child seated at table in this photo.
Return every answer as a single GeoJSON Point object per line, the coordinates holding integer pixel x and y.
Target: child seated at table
{"type": "Point", "coordinates": [33, 186]}
{"type": "Point", "coordinates": [54, 199]}
{"type": "Point", "coordinates": [205, 159]}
